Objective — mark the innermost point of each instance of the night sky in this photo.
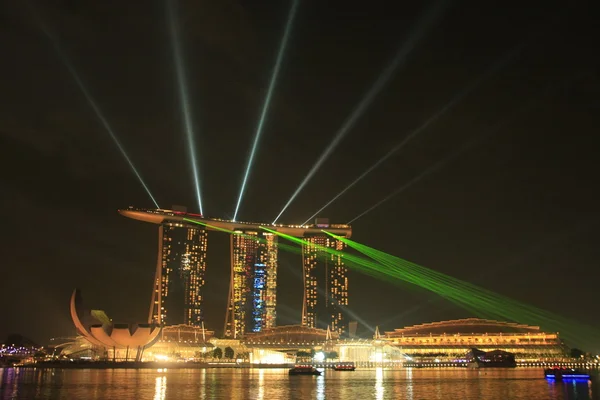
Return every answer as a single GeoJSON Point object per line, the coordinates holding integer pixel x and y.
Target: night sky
{"type": "Point", "coordinates": [516, 212]}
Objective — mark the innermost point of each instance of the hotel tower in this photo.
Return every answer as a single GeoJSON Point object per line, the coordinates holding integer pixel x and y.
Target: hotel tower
{"type": "Point", "coordinates": [253, 286]}
{"type": "Point", "coordinates": [325, 284]}
{"type": "Point", "coordinates": [177, 294]}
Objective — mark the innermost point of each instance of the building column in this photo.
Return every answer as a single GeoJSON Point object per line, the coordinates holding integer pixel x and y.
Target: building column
{"type": "Point", "coordinates": [155, 314]}
{"type": "Point", "coordinates": [229, 327]}
{"type": "Point", "coordinates": [304, 299]}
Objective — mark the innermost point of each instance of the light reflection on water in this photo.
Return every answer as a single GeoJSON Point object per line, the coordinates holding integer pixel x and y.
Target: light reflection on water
{"type": "Point", "coordinates": [379, 389]}
{"type": "Point", "coordinates": [202, 384]}
{"type": "Point", "coordinates": [409, 384]}
{"type": "Point", "coordinates": [160, 392]}
{"type": "Point", "coordinates": [274, 384]}
{"type": "Point", "coordinates": [320, 387]}
{"type": "Point", "coordinates": [261, 384]}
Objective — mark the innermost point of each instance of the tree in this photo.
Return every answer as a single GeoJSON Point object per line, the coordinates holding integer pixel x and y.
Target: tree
{"type": "Point", "coordinates": [303, 354]}
{"type": "Point", "coordinates": [229, 353]}
{"type": "Point", "coordinates": [576, 353]}
{"type": "Point", "coordinates": [217, 352]}
{"type": "Point", "coordinates": [332, 355]}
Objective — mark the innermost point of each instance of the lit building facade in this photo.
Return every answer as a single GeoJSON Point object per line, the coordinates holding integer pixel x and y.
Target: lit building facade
{"type": "Point", "coordinates": [252, 296]}
{"type": "Point", "coordinates": [177, 296]}
{"type": "Point", "coordinates": [325, 284]}
{"type": "Point", "coordinates": [177, 293]}
{"type": "Point", "coordinates": [289, 337]}
{"type": "Point", "coordinates": [453, 339]}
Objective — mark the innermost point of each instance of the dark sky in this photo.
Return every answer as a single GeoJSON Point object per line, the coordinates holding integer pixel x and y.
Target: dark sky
{"type": "Point", "coordinates": [516, 213]}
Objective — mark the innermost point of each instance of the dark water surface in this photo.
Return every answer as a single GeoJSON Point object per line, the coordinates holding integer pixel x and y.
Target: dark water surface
{"type": "Point", "coordinates": [274, 384]}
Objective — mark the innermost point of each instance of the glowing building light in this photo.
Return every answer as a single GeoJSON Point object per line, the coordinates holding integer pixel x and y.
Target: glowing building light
{"type": "Point", "coordinates": [184, 97]}
{"type": "Point", "coordinates": [423, 25]}
{"type": "Point", "coordinates": [267, 103]}
{"type": "Point", "coordinates": [477, 300]}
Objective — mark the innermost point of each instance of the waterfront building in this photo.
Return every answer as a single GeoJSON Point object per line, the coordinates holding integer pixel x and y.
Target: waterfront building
{"type": "Point", "coordinates": [75, 347]}
{"type": "Point", "coordinates": [445, 342]}
{"type": "Point", "coordinates": [325, 283]}
{"type": "Point", "coordinates": [179, 279]}
{"type": "Point", "coordinates": [369, 352]}
{"type": "Point", "coordinates": [112, 340]}
{"type": "Point", "coordinates": [253, 285]}
{"type": "Point", "coordinates": [186, 334]}
{"type": "Point", "coordinates": [449, 340]}
{"type": "Point", "coordinates": [181, 345]}
{"type": "Point", "coordinates": [181, 342]}
{"type": "Point", "coordinates": [289, 337]}
{"type": "Point", "coordinates": [279, 345]}
{"type": "Point", "coordinates": [252, 296]}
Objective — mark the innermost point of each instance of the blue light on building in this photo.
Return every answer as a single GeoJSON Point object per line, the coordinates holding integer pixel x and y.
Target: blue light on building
{"type": "Point", "coordinates": [258, 298]}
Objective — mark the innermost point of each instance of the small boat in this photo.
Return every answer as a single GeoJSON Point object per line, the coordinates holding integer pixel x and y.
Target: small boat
{"type": "Point", "coordinates": [558, 373]}
{"type": "Point", "coordinates": [344, 367]}
{"type": "Point", "coordinates": [304, 370]}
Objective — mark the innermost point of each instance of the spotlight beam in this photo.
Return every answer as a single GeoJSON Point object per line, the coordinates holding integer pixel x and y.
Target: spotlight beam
{"type": "Point", "coordinates": [454, 101]}
{"type": "Point", "coordinates": [422, 26]}
{"type": "Point", "coordinates": [184, 97]}
{"type": "Point", "coordinates": [438, 165]}
{"type": "Point", "coordinates": [464, 148]}
{"type": "Point", "coordinates": [267, 102]}
{"type": "Point", "coordinates": [88, 96]}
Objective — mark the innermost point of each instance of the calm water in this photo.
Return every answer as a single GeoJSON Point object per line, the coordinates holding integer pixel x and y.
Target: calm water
{"type": "Point", "coordinates": [276, 384]}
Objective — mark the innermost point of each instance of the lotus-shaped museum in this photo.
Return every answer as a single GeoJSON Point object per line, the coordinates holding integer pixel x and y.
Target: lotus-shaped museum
{"type": "Point", "coordinates": [133, 338]}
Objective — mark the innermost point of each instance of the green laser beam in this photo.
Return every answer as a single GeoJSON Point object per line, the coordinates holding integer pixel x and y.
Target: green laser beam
{"type": "Point", "coordinates": [479, 301]}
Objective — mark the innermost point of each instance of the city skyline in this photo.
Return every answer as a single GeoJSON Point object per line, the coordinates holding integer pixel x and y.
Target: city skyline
{"type": "Point", "coordinates": [496, 187]}
{"type": "Point", "coordinates": [251, 298]}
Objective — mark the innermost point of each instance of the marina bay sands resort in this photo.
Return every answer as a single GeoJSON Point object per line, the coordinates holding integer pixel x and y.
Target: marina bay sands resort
{"type": "Point", "coordinates": [179, 284]}
{"type": "Point", "coordinates": [175, 328]}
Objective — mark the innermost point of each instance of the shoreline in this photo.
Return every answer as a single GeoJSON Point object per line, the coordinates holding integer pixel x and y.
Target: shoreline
{"type": "Point", "coordinates": [144, 365]}
{"type": "Point", "coordinates": [209, 365]}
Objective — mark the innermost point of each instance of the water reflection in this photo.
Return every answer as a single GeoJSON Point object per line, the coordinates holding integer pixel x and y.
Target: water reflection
{"type": "Point", "coordinates": [573, 389]}
{"type": "Point", "coordinates": [11, 379]}
{"type": "Point", "coordinates": [160, 388]}
{"type": "Point", "coordinates": [321, 387]}
{"type": "Point", "coordinates": [409, 384]}
{"type": "Point", "coordinates": [203, 384]}
{"type": "Point", "coordinates": [379, 389]}
{"type": "Point", "coordinates": [261, 384]}
{"type": "Point", "coordinates": [276, 384]}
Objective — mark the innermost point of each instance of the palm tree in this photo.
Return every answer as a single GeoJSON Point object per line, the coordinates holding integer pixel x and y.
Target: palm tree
{"type": "Point", "coordinates": [217, 352]}
{"type": "Point", "coordinates": [229, 353]}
